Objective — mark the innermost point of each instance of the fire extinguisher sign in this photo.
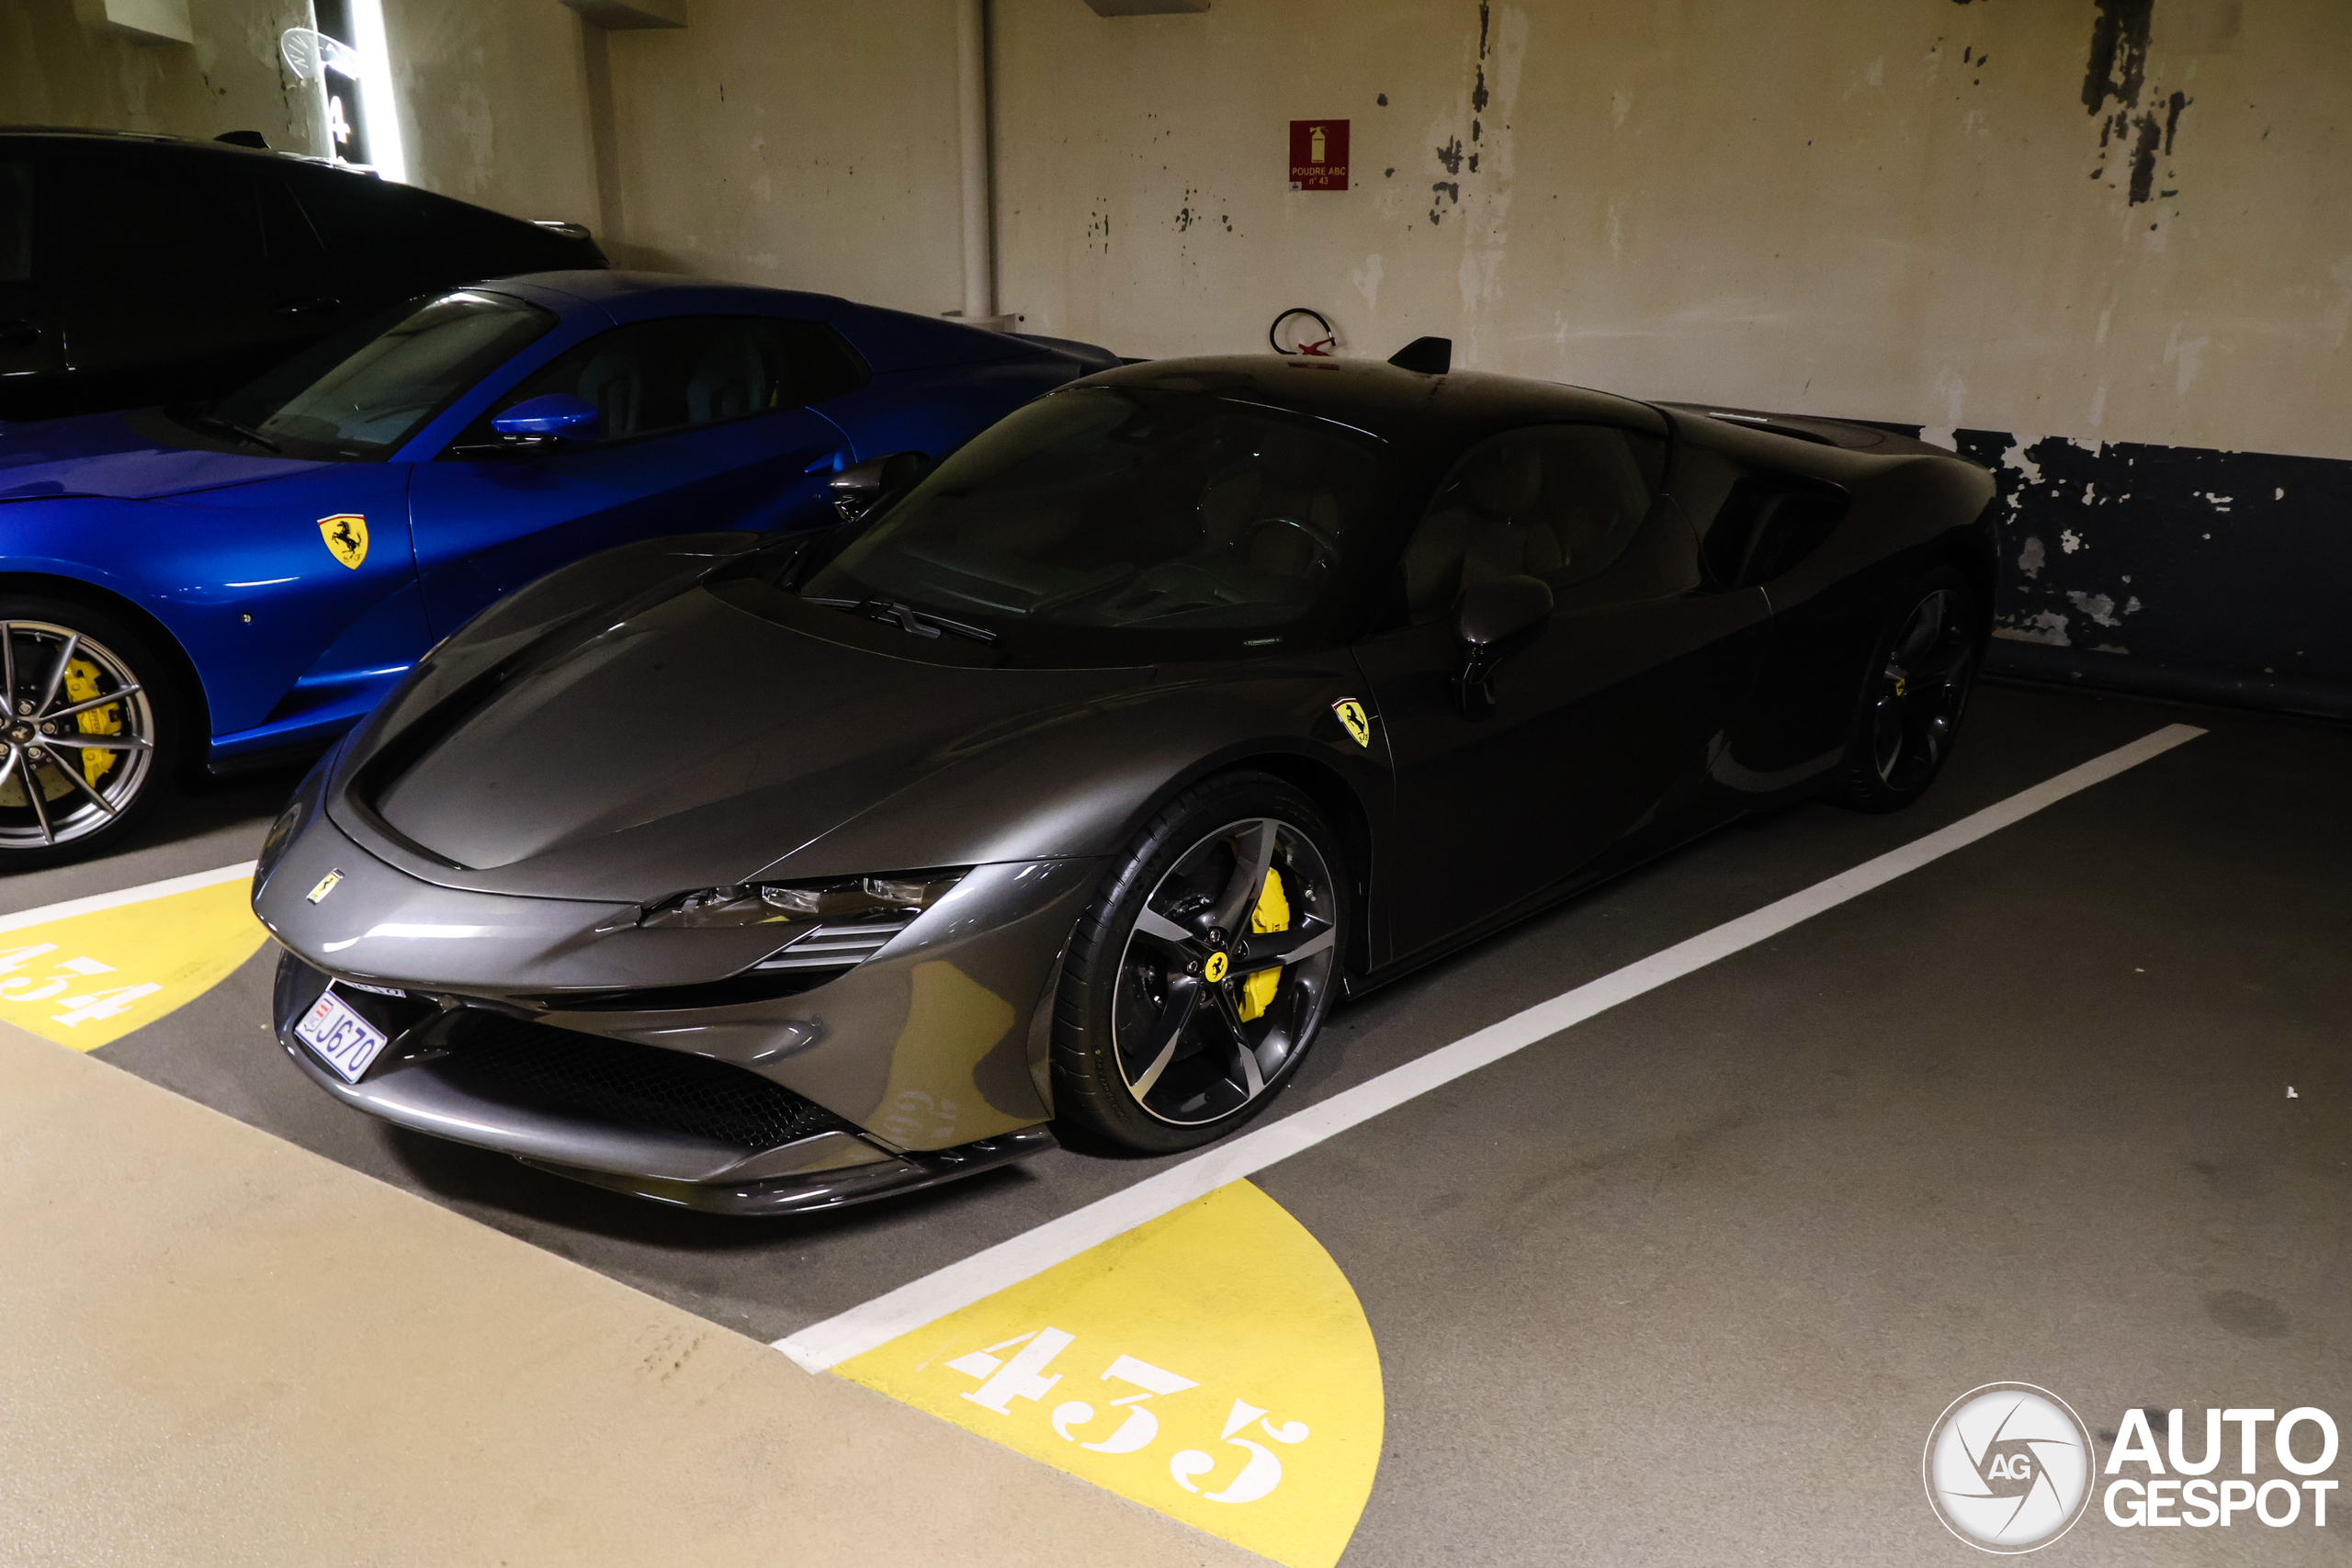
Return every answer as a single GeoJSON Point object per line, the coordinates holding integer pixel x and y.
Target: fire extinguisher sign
{"type": "Point", "coordinates": [1319, 154]}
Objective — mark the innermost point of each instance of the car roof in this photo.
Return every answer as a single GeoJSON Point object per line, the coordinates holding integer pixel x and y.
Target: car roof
{"type": "Point", "coordinates": [598, 286]}
{"type": "Point", "coordinates": [1398, 405]}
{"type": "Point", "coordinates": [77, 133]}
{"type": "Point", "coordinates": [887, 340]}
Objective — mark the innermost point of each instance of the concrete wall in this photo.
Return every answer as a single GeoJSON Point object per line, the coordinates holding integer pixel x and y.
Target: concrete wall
{"type": "Point", "coordinates": [493, 100]}
{"type": "Point", "coordinates": [53, 71]}
{"type": "Point", "coordinates": [1897, 209]}
{"type": "Point", "coordinates": [808, 145]}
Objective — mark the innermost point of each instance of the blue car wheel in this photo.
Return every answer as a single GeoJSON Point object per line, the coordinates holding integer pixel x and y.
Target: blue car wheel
{"type": "Point", "coordinates": [86, 745]}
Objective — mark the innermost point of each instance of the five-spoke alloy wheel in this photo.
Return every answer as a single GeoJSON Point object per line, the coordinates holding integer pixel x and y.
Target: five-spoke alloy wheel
{"type": "Point", "coordinates": [81, 741]}
{"type": "Point", "coordinates": [1199, 975]}
{"type": "Point", "coordinates": [1916, 690]}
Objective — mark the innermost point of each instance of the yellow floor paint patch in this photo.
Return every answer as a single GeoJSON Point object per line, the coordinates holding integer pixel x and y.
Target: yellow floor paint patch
{"type": "Point", "coordinates": [1214, 1364]}
{"type": "Point", "coordinates": [87, 979]}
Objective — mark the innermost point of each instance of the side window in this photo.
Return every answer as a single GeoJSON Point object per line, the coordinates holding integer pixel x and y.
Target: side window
{"type": "Point", "coordinates": [658, 377]}
{"type": "Point", "coordinates": [396, 229]}
{"type": "Point", "coordinates": [292, 239]}
{"type": "Point", "coordinates": [1558, 502]}
{"type": "Point", "coordinates": [16, 221]}
{"type": "Point", "coordinates": [128, 217]}
{"type": "Point", "coordinates": [378, 228]}
{"type": "Point", "coordinates": [1769, 523]}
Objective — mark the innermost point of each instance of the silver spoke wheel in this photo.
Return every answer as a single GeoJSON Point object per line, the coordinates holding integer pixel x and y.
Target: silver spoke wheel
{"type": "Point", "coordinates": [77, 744]}
{"type": "Point", "coordinates": [1225, 972]}
{"type": "Point", "coordinates": [1916, 704]}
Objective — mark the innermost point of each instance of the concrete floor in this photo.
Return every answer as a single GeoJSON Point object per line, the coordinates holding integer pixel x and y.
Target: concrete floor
{"type": "Point", "coordinates": [1691, 1282]}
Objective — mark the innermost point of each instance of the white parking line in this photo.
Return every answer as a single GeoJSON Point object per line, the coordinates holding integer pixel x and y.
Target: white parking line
{"type": "Point", "coordinates": [824, 1344]}
{"type": "Point", "coordinates": [139, 895]}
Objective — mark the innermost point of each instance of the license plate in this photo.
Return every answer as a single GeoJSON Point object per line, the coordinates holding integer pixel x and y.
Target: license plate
{"type": "Point", "coordinates": [344, 1039]}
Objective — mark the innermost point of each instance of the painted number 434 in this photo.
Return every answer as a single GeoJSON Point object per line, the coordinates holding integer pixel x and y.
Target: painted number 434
{"type": "Point", "coordinates": [102, 1002]}
{"type": "Point", "coordinates": [1022, 1375]}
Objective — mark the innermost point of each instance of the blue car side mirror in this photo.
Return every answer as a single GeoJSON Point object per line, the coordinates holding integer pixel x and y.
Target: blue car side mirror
{"type": "Point", "coordinates": [555, 413]}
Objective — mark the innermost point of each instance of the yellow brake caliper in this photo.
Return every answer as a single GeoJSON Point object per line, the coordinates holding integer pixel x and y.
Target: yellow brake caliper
{"type": "Point", "coordinates": [80, 685]}
{"type": "Point", "coordinates": [1272, 914]}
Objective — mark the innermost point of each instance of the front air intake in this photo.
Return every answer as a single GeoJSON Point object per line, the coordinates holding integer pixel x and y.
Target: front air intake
{"type": "Point", "coordinates": [570, 1074]}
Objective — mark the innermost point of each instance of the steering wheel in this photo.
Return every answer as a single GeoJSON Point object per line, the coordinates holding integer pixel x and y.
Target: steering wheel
{"type": "Point", "coordinates": [1327, 548]}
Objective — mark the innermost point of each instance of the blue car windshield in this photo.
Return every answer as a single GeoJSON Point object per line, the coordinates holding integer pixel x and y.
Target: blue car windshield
{"type": "Point", "coordinates": [1132, 524]}
{"type": "Point", "coordinates": [363, 395]}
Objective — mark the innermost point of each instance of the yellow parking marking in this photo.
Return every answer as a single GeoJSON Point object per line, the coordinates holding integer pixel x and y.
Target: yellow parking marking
{"type": "Point", "coordinates": [88, 972]}
{"type": "Point", "coordinates": [1213, 1364]}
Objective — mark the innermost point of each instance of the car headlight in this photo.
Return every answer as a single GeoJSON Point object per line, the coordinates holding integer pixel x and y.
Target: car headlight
{"type": "Point", "coordinates": [854, 899]}
{"type": "Point", "coordinates": [821, 928]}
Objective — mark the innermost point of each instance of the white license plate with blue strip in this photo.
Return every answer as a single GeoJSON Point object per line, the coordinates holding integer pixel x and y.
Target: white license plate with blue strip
{"type": "Point", "coordinates": [343, 1039]}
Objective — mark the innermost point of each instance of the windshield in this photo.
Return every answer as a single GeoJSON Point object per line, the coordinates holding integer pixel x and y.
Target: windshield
{"type": "Point", "coordinates": [364, 394]}
{"type": "Point", "coordinates": [1125, 525]}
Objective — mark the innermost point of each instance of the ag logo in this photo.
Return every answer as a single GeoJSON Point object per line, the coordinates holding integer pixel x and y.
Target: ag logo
{"type": "Point", "coordinates": [1214, 970]}
{"type": "Point", "coordinates": [1352, 716]}
{"type": "Point", "coordinates": [2007, 1467]}
{"type": "Point", "coordinates": [346, 537]}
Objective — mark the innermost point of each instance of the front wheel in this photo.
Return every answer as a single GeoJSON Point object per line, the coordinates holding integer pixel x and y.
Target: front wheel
{"type": "Point", "coordinates": [87, 742]}
{"type": "Point", "coordinates": [1913, 695]}
{"type": "Point", "coordinates": [1200, 974]}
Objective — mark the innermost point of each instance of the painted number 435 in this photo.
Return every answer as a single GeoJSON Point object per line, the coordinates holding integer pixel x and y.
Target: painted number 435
{"type": "Point", "coordinates": [1022, 1375]}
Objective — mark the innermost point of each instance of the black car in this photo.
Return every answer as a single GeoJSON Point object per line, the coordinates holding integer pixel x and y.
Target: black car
{"type": "Point", "coordinates": [1078, 782]}
{"type": "Point", "coordinates": [139, 269]}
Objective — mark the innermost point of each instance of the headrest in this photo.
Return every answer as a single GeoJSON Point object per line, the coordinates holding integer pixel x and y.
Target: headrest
{"type": "Point", "coordinates": [1505, 479]}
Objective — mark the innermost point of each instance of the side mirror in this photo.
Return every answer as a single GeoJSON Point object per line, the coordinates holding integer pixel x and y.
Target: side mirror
{"type": "Point", "coordinates": [857, 489]}
{"type": "Point", "coordinates": [556, 414]}
{"type": "Point", "coordinates": [1492, 621]}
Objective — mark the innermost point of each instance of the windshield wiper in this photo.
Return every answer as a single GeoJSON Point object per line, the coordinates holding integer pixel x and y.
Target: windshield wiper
{"type": "Point", "coordinates": [905, 616]}
{"type": "Point", "coordinates": [242, 431]}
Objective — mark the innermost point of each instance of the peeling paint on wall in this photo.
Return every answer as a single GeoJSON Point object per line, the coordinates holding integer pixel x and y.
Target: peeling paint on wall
{"type": "Point", "coordinates": [2198, 573]}
{"type": "Point", "coordinates": [2117, 74]}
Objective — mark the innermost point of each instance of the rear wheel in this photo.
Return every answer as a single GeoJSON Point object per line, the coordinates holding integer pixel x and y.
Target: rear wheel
{"type": "Point", "coordinates": [87, 742]}
{"type": "Point", "coordinates": [1915, 696]}
{"type": "Point", "coordinates": [1200, 974]}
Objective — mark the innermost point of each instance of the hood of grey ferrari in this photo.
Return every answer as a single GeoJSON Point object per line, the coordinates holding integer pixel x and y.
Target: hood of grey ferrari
{"type": "Point", "coordinates": [693, 744]}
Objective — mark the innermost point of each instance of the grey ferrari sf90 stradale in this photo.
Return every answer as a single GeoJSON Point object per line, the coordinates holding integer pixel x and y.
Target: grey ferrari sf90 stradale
{"type": "Point", "coordinates": [1072, 782]}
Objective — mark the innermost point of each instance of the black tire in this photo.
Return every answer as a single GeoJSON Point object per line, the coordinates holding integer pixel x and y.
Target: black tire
{"type": "Point", "coordinates": [62, 661]}
{"type": "Point", "coordinates": [1156, 1046]}
{"type": "Point", "coordinates": [1915, 693]}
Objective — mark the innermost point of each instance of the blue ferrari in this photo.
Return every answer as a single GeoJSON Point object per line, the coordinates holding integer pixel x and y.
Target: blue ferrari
{"type": "Point", "coordinates": [231, 583]}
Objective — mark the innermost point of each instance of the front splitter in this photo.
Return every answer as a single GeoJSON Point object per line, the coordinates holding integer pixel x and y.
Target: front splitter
{"type": "Point", "coordinates": [820, 1190]}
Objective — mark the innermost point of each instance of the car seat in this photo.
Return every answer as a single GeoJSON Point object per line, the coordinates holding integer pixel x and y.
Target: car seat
{"type": "Point", "coordinates": [730, 382]}
{"type": "Point", "coordinates": [615, 383]}
{"type": "Point", "coordinates": [1497, 525]}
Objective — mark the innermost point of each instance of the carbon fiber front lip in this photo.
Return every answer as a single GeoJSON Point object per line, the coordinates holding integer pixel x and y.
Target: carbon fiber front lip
{"type": "Point", "coordinates": [816, 1192]}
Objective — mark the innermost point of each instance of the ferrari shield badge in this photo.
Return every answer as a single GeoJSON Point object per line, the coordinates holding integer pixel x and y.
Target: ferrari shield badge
{"type": "Point", "coordinates": [326, 887]}
{"type": "Point", "coordinates": [1352, 716]}
{"type": "Point", "coordinates": [346, 537]}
